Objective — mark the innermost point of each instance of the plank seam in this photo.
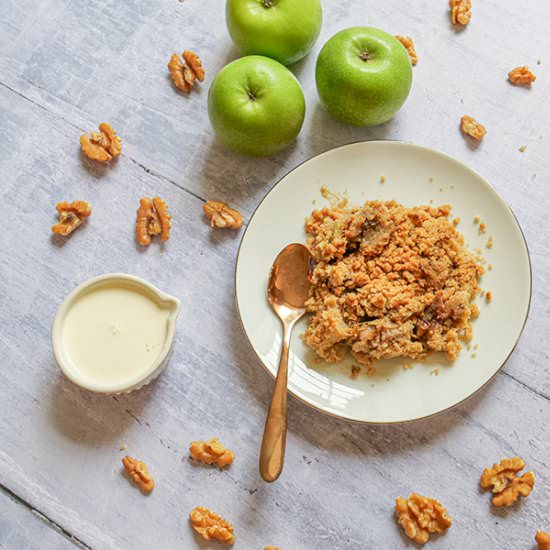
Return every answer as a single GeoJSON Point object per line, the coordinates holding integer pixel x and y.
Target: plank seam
{"type": "Point", "coordinates": [47, 520]}
{"type": "Point", "coordinates": [527, 387]}
{"type": "Point", "coordinates": [131, 159]}
{"type": "Point", "coordinates": [164, 178]}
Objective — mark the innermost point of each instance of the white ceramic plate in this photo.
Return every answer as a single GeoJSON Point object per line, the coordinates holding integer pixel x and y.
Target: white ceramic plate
{"type": "Point", "coordinates": [413, 176]}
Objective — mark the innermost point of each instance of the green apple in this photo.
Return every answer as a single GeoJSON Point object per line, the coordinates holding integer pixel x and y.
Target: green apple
{"type": "Point", "coordinates": [256, 106]}
{"type": "Point", "coordinates": [363, 76]}
{"type": "Point", "coordinates": [285, 30]}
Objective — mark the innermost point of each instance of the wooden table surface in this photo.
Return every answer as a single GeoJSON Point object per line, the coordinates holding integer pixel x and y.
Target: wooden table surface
{"type": "Point", "coordinates": [65, 66]}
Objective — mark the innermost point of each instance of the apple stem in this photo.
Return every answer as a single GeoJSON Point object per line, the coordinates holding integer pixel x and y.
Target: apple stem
{"type": "Point", "coordinates": [251, 95]}
{"type": "Point", "coordinates": [268, 3]}
{"type": "Point", "coordinates": [364, 56]}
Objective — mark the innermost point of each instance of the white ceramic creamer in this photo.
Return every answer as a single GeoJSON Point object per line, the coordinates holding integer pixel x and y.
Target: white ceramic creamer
{"type": "Point", "coordinates": [114, 333]}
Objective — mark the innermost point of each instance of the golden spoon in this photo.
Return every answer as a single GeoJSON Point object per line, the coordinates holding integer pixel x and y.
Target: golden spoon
{"type": "Point", "coordinates": [287, 292]}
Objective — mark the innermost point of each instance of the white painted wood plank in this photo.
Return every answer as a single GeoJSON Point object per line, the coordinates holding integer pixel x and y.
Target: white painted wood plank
{"type": "Point", "coordinates": [21, 527]}
{"type": "Point", "coordinates": [82, 62]}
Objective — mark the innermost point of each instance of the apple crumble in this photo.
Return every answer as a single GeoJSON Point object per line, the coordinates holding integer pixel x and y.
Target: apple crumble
{"type": "Point", "coordinates": [389, 281]}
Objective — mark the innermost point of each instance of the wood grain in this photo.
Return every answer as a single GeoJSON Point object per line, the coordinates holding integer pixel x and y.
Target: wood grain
{"type": "Point", "coordinates": [65, 66]}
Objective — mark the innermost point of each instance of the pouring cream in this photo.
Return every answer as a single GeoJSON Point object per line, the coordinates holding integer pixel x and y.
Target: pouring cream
{"type": "Point", "coordinates": [114, 333]}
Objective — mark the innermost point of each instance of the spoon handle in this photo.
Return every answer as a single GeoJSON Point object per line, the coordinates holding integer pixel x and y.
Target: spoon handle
{"type": "Point", "coordinates": [272, 455]}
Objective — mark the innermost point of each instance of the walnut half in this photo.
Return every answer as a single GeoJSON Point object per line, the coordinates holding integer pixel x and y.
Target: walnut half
{"type": "Point", "coordinates": [139, 473]}
{"type": "Point", "coordinates": [185, 74]}
{"type": "Point", "coordinates": [460, 11]}
{"type": "Point", "coordinates": [71, 215]}
{"type": "Point", "coordinates": [420, 516]}
{"type": "Point", "coordinates": [152, 218]}
{"type": "Point", "coordinates": [210, 526]}
{"type": "Point", "coordinates": [521, 76]}
{"type": "Point", "coordinates": [503, 481]}
{"type": "Point", "coordinates": [543, 540]}
{"type": "Point", "coordinates": [221, 215]}
{"type": "Point", "coordinates": [211, 452]}
{"type": "Point", "coordinates": [471, 127]}
{"type": "Point", "coordinates": [101, 146]}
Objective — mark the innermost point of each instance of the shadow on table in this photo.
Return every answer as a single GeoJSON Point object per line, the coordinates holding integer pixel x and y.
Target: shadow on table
{"type": "Point", "coordinates": [91, 418]}
{"type": "Point", "coordinates": [97, 169]}
{"type": "Point", "coordinates": [325, 132]}
{"type": "Point", "coordinates": [335, 435]}
{"type": "Point", "coordinates": [232, 177]}
{"type": "Point", "coordinates": [235, 178]}
{"type": "Point", "coordinates": [340, 436]}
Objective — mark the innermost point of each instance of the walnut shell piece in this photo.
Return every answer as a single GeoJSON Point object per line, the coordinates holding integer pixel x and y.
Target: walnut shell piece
{"type": "Point", "coordinates": [185, 74]}
{"type": "Point", "coordinates": [503, 481]}
{"type": "Point", "coordinates": [139, 473]}
{"type": "Point", "coordinates": [521, 76]}
{"type": "Point", "coordinates": [407, 41]}
{"type": "Point", "coordinates": [152, 218]}
{"type": "Point", "coordinates": [461, 13]}
{"type": "Point", "coordinates": [211, 452]}
{"type": "Point", "coordinates": [543, 540]}
{"type": "Point", "coordinates": [221, 215]}
{"type": "Point", "coordinates": [101, 146]}
{"type": "Point", "coordinates": [471, 127]}
{"type": "Point", "coordinates": [211, 526]}
{"type": "Point", "coordinates": [420, 516]}
{"type": "Point", "coordinates": [71, 215]}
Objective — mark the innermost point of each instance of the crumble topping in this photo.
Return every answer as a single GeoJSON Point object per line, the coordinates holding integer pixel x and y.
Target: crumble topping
{"type": "Point", "coordinates": [389, 281]}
